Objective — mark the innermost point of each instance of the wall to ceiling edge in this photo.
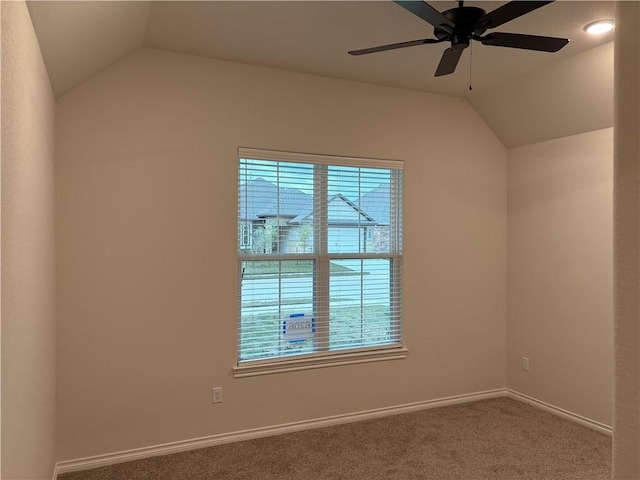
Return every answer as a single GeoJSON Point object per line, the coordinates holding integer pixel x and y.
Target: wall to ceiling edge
{"type": "Point", "coordinates": [146, 187]}
{"type": "Point", "coordinates": [568, 97]}
{"type": "Point", "coordinates": [28, 254]}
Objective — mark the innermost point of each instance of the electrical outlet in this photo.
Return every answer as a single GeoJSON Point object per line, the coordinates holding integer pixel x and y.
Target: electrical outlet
{"type": "Point", "coordinates": [525, 364]}
{"type": "Point", "coordinates": [216, 395]}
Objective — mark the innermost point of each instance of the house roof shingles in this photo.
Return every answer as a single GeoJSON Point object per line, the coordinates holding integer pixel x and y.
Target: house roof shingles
{"type": "Point", "coordinates": [283, 201]}
{"type": "Point", "coordinates": [297, 205]}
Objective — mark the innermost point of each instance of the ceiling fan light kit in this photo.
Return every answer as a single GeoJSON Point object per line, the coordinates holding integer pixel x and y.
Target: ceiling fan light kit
{"type": "Point", "coordinates": [462, 24]}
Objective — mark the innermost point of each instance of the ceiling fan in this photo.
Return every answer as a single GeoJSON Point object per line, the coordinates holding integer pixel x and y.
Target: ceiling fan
{"type": "Point", "coordinates": [462, 24]}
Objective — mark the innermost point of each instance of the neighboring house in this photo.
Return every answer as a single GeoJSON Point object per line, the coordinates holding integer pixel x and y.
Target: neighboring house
{"type": "Point", "coordinates": [376, 203]}
{"type": "Point", "coordinates": [285, 223]}
{"type": "Point", "coordinates": [264, 226]}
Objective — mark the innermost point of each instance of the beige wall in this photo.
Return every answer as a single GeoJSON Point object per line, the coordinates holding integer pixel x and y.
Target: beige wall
{"type": "Point", "coordinates": [146, 210]}
{"type": "Point", "coordinates": [560, 267]}
{"type": "Point", "coordinates": [626, 445]}
{"type": "Point", "coordinates": [28, 275]}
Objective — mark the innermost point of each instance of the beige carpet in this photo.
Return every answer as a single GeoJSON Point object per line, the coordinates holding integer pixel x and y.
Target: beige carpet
{"type": "Point", "coordinates": [491, 439]}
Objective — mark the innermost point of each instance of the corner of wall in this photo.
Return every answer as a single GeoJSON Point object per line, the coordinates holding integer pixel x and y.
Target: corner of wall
{"type": "Point", "coordinates": [27, 255]}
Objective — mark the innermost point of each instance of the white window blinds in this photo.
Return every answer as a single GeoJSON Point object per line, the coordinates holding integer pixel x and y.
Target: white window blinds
{"type": "Point", "coordinates": [319, 255]}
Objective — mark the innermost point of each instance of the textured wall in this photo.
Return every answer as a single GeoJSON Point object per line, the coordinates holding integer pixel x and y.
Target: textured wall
{"type": "Point", "coordinates": [560, 273]}
{"type": "Point", "coordinates": [28, 275]}
{"type": "Point", "coordinates": [626, 446]}
{"type": "Point", "coordinates": [146, 209]}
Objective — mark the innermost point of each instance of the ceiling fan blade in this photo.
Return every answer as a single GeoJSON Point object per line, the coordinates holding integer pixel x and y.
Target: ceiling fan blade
{"type": "Point", "coordinates": [393, 46]}
{"type": "Point", "coordinates": [506, 13]}
{"type": "Point", "coordinates": [526, 42]}
{"type": "Point", "coordinates": [448, 62]}
{"type": "Point", "coordinates": [428, 14]}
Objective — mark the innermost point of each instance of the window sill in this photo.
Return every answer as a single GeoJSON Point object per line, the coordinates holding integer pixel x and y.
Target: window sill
{"type": "Point", "coordinates": [294, 365]}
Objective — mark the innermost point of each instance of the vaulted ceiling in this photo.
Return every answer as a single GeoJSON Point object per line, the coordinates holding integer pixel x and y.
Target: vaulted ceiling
{"type": "Point", "coordinates": [524, 96]}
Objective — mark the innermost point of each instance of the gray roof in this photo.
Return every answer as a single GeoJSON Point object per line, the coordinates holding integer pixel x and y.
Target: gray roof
{"type": "Point", "coordinates": [283, 202]}
{"type": "Point", "coordinates": [354, 216]}
{"type": "Point", "coordinates": [376, 203]}
{"type": "Point", "coordinates": [298, 206]}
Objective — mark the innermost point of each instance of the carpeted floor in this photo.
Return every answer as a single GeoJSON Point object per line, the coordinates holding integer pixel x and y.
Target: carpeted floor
{"type": "Point", "coordinates": [491, 439]}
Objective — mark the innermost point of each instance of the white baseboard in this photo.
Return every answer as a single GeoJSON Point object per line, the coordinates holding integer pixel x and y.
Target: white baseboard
{"type": "Point", "coordinates": [184, 445]}
{"type": "Point", "coordinates": [210, 441]}
{"type": "Point", "coordinates": [561, 412]}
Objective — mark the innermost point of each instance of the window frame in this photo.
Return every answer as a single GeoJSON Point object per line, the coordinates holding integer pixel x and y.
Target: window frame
{"type": "Point", "coordinates": [322, 257]}
{"type": "Point", "coordinates": [245, 232]}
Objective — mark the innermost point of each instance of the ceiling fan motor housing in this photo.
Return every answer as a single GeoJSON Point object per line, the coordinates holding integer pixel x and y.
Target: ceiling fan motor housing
{"type": "Point", "coordinates": [461, 25]}
{"type": "Point", "coordinates": [465, 20]}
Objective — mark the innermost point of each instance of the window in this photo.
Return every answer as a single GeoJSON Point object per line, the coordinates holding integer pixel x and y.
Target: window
{"type": "Point", "coordinates": [321, 274]}
{"type": "Point", "coordinates": [245, 235]}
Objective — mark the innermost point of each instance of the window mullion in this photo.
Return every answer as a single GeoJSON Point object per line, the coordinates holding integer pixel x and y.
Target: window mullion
{"type": "Point", "coordinates": [321, 273]}
{"type": "Point", "coordinates": [362, 300]}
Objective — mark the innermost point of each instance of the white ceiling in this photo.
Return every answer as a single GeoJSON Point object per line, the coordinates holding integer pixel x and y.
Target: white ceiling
{"type": "Point", "coordinates": [80, 38]}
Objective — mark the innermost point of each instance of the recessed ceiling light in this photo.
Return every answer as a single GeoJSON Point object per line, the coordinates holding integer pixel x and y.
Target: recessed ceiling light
{"type": "Point", "coordinates": [599, 27]}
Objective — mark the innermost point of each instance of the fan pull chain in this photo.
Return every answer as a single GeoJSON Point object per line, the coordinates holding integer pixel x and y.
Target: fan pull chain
{"type": "Point", "coordinates": [470, 65]}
